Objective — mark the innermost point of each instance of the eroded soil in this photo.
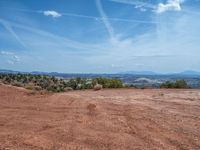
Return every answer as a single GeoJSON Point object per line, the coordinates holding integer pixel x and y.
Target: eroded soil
{"type": "Point", "coordinates": [116, 119]}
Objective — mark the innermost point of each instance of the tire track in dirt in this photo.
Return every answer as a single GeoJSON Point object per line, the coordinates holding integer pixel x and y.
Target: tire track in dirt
{"type": "Point", "coordinates": [95, 120]}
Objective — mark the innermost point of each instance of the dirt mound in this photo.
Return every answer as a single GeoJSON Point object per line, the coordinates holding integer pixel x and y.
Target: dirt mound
{"type": "Point", "coordinates": [108, 119]}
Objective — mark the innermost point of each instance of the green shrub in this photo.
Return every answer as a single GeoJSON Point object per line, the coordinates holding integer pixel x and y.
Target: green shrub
{"type": "Point", "coordinates": [29, 86]}
{"type": "Point", "coordinates": [98, 87]}
{"type": "Point", "coordinates": [179, 84]}
{"type": "Point", "coordinates": [108, 83]}
{"type": "Point", "coordinates": [68, 89]}
{"type": "Point", "coordinates": [16, 83]}
{"type": "Point", "coordinates": [53, 84]}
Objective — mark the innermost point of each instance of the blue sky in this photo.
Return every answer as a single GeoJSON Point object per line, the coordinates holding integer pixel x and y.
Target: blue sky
{"type": "Point", "coordinates": [100, 36]}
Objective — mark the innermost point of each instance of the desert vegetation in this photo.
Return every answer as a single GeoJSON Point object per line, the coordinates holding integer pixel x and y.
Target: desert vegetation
{"type": "Point", "coordinates": [53, 84]}
{"type": "Point", "coordinates": [108, 83]}
{"type": "Point", "coordinates": [178, 84]}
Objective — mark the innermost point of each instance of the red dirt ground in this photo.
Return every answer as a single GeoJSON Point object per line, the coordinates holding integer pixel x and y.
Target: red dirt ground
{"type": "Point", "coordinates": [116, 119]}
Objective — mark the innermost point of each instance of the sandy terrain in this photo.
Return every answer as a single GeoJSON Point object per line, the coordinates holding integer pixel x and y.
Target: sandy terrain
{"type": "Point", "coordinates": [113, 119]}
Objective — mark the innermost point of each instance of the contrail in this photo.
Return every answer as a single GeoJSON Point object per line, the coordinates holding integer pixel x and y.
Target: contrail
{"type": "Point", "coordinates": [68, 42]}
{"type": "Point", "coordinates": [102, 18]}
{"type": "Point", "coordinates": [105, 19]}
{"type": "Point", "coordinates": [80, 16]}
{"type": "Point", "coordinates": [136, 3]}
{"type": "Point", "coordinates": [12, 32]}
{"type": "Point", "coordinates": [112, 19]}
{"type": "Point", "coordinates": [147, 5]}
{"type": "Point", "coordinates": [108, 18]}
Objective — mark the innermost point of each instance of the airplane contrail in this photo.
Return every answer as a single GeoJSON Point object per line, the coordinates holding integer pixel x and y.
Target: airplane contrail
{"type": "Point", "coordinates": [102, 18]}
{"type": "Point", "coordinates": [136, 3]}
{"type": "Point", "coordinates": [9, 28]}
{"type": "Point", "coordinates": [105, 20]}
{"type": "Point", "coordinates": [68, 42]}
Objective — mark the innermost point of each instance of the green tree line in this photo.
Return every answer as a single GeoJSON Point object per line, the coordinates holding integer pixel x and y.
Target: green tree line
{"type": "Point", "coordinates": [51, 83]}
{"type": "Point", "coordinates": [178, 84]}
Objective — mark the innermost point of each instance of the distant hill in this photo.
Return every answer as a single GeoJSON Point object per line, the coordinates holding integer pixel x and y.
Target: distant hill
{"type": "Point", "coordinates": [8, 71]}
{"type": "Point", "coordinates": [33, 72]}
{"type": "Point", "coordinates": [189, 72]}
{"type": "Point", "coordinates": [139, 73]}
{"type": "Point", "coordinates": [133, 78]}
{"type": "Point", "coordinates": [184, 73]}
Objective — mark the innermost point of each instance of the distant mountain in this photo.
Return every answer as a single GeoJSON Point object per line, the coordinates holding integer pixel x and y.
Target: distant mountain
{"type": "Point", "coordinates": [151, 73]}
{"type": "Point", "coordinates": [44, 73]}
{"type": "Point", "coordinates": [8, 71]}
{"type": "Point", "coordinates": [139, 73]}
{"type": "Point", "coordinates": [184, 73]}
{"type": "Point", "coordinates": [33, 72]}
{"type": "Point", "coordinates": [189, 72]}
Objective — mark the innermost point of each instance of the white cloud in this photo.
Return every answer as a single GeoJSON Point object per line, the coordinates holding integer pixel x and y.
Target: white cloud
{"type": "Point", "coordinates": [52, 13]}
{"type": "Point", "coordinates": [10, 57]}
{"type": "Point", "coordinates": [137, 3]}
{"type": "Point", "coordinates": [16, 58]}
{"type": "Point", "coordinates": [171, 5]}
{"type": "Point", "coordinates": [11, 62]}
{"type": "Point", "coordinates": [143, 9]}
{"type": "Point", "coordinates": [116, 66]}
{"type": "Point", "coordinates": [6, 53]}
{"type": "Point", "coordinates": [143, 52]}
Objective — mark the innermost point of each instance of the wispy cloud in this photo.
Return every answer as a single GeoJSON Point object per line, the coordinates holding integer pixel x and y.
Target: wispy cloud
{"type": "Point", "coordinates": [136, 3]}
{"type": "Point", "coordinates": [6, 53]}
{"type": "Point", "coordinates": [39, 39]}
{"type": "Point", "coordinates": [106, 21]}
{"type": "Point", "coordinates": [165, 38]}
{"type": "Point", "coordinates": [171, 5]}
{"type": "Point", "coordinates": [153, 56]}
{"type": "Point", "coordinates": [141, 5]}
{"type": "Point", "coordinates": [101, 18]}
{"type": "Point", "coordinates": [117, 66]}
{"type": "Point", "coordinates": [11, 58]}
{"type": "Point", "coordinates": [52, 13]}
{"type": "Point", "coordinates": [9, 28]}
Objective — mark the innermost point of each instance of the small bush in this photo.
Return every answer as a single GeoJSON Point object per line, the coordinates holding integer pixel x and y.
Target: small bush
{"type": "Point", "coordinates": [98, 87]}
{"type": "Point", "coordinates": [38, 88]}
{"type": "Point", "coordinates": [68, 89]}
{"type": "Point", "coordinates": [30, 86]}
{"type": "Point", "coordinates": [18, 84]}
{"type": "Point", "coordinates": [108, 83]}
{"type": "Point", "coordinates": [31, 93]}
